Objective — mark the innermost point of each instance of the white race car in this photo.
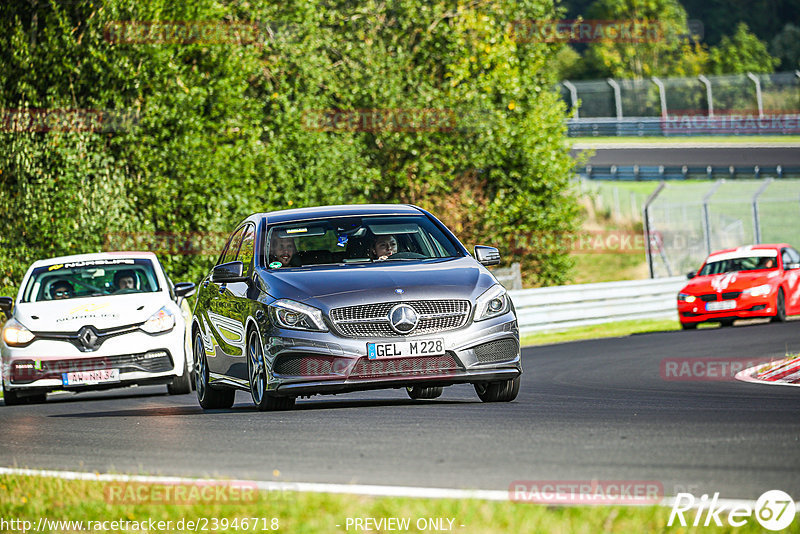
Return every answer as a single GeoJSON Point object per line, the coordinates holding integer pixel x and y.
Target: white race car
{"type": "Point", "coordinates": [95, 321]}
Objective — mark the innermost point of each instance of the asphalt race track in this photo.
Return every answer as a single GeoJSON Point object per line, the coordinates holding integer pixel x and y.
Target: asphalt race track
{"type": "Point", "coordinates": [587, 410]}
{"type": "Point", "coordinates": [787, 156]}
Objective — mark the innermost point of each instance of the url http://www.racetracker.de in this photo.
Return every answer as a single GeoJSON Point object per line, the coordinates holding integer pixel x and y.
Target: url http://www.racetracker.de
{"type": "Point", "coordinates": [199, 524]}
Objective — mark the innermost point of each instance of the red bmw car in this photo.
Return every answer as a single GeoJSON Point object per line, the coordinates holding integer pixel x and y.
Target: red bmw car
{"type": "Point", "coordinates": [742, 283]}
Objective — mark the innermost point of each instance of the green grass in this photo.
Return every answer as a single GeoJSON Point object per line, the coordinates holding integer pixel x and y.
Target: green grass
{"type": "Point", "coordinates": [590, 268]}
{"type": "Point", "coordinates": [618, 329]}
{"type": "Point", "coordinates": [29, 498]}
{"type": "Point", "coordinates": [739, 139]}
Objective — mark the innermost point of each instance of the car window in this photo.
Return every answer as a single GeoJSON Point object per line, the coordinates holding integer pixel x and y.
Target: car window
{"type": "Point", "coordinates": [232, 249]}
{"type": "Point", "coordinates": [351, 240]}
{"type": "Point", "coordinates": [794, 256]}
{"type": "Point", "coordinates": [744, 263]}
{"type": "Point", "coordinates": [91, 278]}
{"type": "Point", "coordinates": [246, 249]}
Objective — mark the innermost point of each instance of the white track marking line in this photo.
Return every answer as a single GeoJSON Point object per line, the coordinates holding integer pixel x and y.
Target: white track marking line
{"type": "Point", "coordinates": [347, 489]}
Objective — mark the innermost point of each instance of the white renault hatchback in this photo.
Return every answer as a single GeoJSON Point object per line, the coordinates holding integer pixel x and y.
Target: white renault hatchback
{"type": "Point", "coordinates": [95, 321]}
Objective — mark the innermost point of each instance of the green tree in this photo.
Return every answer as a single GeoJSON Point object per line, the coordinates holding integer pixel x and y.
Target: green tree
{"type": "Point", "coordinates": [786, 47]}
{"type": "Point", "coordinates": [740, 53]}
{"type": "Point", "coordinates": [671, 53]}
{"type": "Point", "coordinates": [221, 130]}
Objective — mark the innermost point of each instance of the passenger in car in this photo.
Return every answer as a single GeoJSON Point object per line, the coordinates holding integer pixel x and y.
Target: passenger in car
{"type": "Point", "coordinates": [61, 290]}
{"type": "Point", "coordinates": [383, 247]}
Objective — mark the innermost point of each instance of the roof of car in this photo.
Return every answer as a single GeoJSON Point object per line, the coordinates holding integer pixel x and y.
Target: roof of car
{"type": "Point", "coordinates": [95, 256]}
{"type": "Point", "coordinates": [731, 252]}
{"type": "Point", "coordinates": [345, 210]}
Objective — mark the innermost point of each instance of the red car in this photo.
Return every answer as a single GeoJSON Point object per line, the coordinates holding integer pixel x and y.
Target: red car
{"type": "Point", "coordinates": [742, 283]}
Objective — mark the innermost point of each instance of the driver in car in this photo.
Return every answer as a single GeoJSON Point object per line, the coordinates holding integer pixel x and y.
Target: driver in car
{"type": "Point", "coordinates": [383, 247]}
{"type": "Point", "coordinates": [124, 280]}
{"type": "Point", "coordinates": [61, 290]}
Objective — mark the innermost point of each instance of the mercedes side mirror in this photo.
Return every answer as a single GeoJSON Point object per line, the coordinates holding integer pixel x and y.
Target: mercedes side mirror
{"type": "Point", "coordinates": [230, 272]}
{"type": "Point", "coordinates": [691, 274]}
{"type": "Point", "coordinates": [487, 255]}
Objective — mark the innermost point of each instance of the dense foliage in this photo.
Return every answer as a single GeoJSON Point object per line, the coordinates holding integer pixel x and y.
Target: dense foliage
{"type": "Point", "coordinates": [201, 134]}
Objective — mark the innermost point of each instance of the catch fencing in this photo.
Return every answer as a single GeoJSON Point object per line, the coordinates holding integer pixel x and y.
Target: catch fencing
{"type": "Point", "coordinates": [688, 222]}
{"type": "Point", "coordinates": [554, 308]}
{"type": "Point", "coordinates": [747, 104]}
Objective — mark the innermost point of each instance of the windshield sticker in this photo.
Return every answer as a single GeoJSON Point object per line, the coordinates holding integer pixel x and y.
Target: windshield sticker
{"type": "Point", "coordinates": [296, 230]}
{"type": "Point", "coordinates": [275, 265]}
{"type": "Point", "coordinates": [342, 241]}
{"type": "Point", "coordinates": [89, 263]}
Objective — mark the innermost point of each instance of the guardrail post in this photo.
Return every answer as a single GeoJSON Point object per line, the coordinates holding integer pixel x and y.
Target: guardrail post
{"type": "Point", "coordinates": [617, 96]}
{"type": "Point", "coordinates": [757, 83]}
{"type": "Point", "coordinates": [573, 96]}
{"type": "Point", "coordinates": [709, 97]}
{"type": "Point", "coordinates": [648, 225]}
{"type": "Point", "coordinates": [706, 218]}
{"type": "Point", "coordinates": [756, 222]}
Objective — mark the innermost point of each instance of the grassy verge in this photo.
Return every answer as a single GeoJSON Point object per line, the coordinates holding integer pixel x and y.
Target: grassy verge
{"type": "Point", "coordinates": [738, 139]}
{"type": "Point", "coordinates": [32, 498]}
{"type": "Point", "coordinates": [618, 329]}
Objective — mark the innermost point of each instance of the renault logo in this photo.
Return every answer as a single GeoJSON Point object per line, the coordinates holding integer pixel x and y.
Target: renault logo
{"type": "Point", "coordinates": [87, 337]}
{"type": "Point", "coordinates": [403, 319]}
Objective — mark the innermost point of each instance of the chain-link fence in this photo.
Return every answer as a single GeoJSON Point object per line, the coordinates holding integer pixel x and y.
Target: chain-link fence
{"type": "Point", "coordinates": [688, 221]}
{"type": "Point", "coordinates": [702, 105]}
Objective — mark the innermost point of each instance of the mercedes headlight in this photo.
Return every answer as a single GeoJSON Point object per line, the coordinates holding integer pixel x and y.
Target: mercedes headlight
{"type": "Point", "coordinates": [15, 334]}
{"type": "Point", "coordinates": [290, 314]}
{"type": "Point", "coordinates": [685, 297]}
{"type": "Point", "coordinates": [758, 291]}
{"type": "Point", "coordinates": [492, 303]}
{"type": "Point", "coordinates": [161, 321]}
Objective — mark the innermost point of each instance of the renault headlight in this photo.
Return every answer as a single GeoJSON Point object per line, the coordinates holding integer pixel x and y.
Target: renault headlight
{"type": "Point", "coordinates": [685, 297]}
{"type": "Point", "coordinates": [297, 316]}
{"type": "Point", "coordinates": [758, 291]}
{"type": "Point", "coordinates": [15, 334]}
{"type": "Point", "coordinates": [161, 321]}
{"type": "Point", "coordinates": [492, 303]}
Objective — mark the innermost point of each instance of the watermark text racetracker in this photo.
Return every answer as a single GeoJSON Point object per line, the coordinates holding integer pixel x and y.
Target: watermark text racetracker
{"type": "Point", "coordinates": [165, 243]}
{"type": "Point", "coordinates": [19, 120]}
{"type": "Point", "coordinates": [587, 492]}
{"type": "Point", "coordinates": [705, 369]}
{"type": "Point", "coordinates": [584, 242]}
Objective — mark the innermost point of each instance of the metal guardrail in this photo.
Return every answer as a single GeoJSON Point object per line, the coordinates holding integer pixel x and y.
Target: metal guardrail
{"type": "Point", "coordinates": [685, 172]}
{"type": "Point", "coordinates": [555, 308]}
{"type": "Point", "coordinates": [749, 125]}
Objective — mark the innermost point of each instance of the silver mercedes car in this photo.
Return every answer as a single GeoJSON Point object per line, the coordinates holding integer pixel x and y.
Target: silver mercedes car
{"type": "Point", "coordinates": [345, 298]}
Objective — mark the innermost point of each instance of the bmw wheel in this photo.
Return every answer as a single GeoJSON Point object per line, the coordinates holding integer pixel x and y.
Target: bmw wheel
{"type": "Point", "coordinates": [208, 397]}
{"type": "Point", "coordinates": [780, 308]}
{"type": "Point", "coordinates": [257, 371]}
{"type": "Point", "coordinates": [504, 391]}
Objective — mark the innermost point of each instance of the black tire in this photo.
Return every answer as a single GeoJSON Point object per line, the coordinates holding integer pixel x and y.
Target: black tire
{"type": "Point", "coordinates": [780, 308]}
{"type": "Point", "coordinates": [726, 322]}
{"type": "Point", "coordinates": [181, 385]}
{"type": "Point", "coordinates": [208, 397]}
{"type": "Point", "coordinates": [13, 398]}
{"type": "Point", "coordinates": [420, 392]}
{"type": "Point", "coordinates": [689, 326]}
{"type": "Point", "coordinates": [505, 391]}
{"type": "Point", "coordinates": [257, 375]}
